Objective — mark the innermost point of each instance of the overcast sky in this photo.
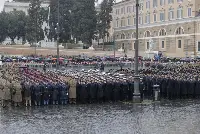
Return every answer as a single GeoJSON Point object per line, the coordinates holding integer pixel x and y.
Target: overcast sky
{"type": "Point", "coordinates": [2, 3]}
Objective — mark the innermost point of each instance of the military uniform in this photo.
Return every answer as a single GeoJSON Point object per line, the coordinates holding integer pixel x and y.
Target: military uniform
{"type": "Point", "coordinates": [17, 96]}
{"type": "Point", "coordinates": [72, 91]}
{"type": "Point", "coordinates": [6, 96]}
{"type": "Point", "coordinates": [27, 93]}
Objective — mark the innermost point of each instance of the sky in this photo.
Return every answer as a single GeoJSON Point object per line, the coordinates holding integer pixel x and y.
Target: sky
{"type": "Point", "coordinates": [2, 4]}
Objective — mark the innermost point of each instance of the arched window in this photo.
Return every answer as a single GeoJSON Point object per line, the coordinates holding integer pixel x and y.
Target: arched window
{"type": "Point", "coordinates": [147, 34]}
{"type": "Point", "coordinates": [155, 33]}
{"type": "Point", "coordinates": [162, 32]}
{"type": "Point", "coordinates": [128, 36]}
{"type": "Point", "coordinates": [123, 36]}
{"type": "Point", "coordinates": [117, 36]}
{"type": "Point", "coordinates": [134, 35]}
{"type": "Point", "coordinates": [179, 30]}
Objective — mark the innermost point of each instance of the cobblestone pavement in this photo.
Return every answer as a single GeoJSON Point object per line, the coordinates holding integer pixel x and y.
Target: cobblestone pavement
{"type": "Point", "coordinates": [175, 117]}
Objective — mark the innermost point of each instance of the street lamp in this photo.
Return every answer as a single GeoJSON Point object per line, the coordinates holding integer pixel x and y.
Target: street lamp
{"type": "Point", "coordinates": [58, 34]}
{"type": "Point", "coordinates": [114, 49]}
{"type": "Point", "coordinates": [136, 94]}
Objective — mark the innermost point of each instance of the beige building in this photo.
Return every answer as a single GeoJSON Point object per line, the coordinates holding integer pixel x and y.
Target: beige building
{"type": "Point", "coordinates": [172, 25]}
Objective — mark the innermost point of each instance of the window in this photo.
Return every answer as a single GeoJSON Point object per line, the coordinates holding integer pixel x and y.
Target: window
{"type": "Point", "coordinates": [129, 9]}
{"type": "Point", "coordinates": [162, 2]}
{"type": "Point", "coordinates": [179, 43]}
{"type": "Point", "coordinates": [189, 12]}
{"type": "Point", "coordinates": [162, 16]}
{"type": "Point", "coordinates": [147, 45]}
{"type": "Point", "coordinates": [140, 20]}
{"type": "Point", "coordinates": [121, 23]}
{"type": "Point", "coordinates": [134, 9]}
{"type": "Point", "coordinates": [134, 35]}
{"type": "Point", "coordinates": [154, 17]}
{"type": "Point", "coordinates": [179, 0]}
{"type": "Point", "coordinates": [117, 23]}
{"type": "Point", "coordinates": [122, 10]}
{"type": "Point", "coordinates": [170, 1]}
{"type": "Point", "coordinates": [141, 7]}
{"type": "Point", "coordinates": [171, 14]}
{"type": "Point", "coordinates": [163, 44]}
{"type": "Point", "coordinates": [155, 3]}
{"type": "Point", "coordinates": [134, 21]}
{"type": "Point", "coordinates": [117, 11]}
{"type": "Point", "coordinates": [180, 13]}
{"type": "Point", "coordinates": [148, 4]}
{"type": "Point", "coordinates": [179, 30]}
{"type": "Point", "coordinates": [123, 46]}
{"type": "Point", "coordinates": [198, 46]}
{"type": "Point", "coordinates": [128, 22]}
{"type": "Point", "coordinates": [147, 19]}
{"type": "Point", "coordinates": [162, 32]}
{"type": "Point", "coordinates": [122, 36]}
{"type": "Point", "coordinates": [147, 34]}
{"type": "Point", "coordinates": [134, 44]}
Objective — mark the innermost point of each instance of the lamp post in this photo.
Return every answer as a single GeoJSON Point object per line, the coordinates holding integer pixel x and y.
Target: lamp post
{"type": "Point", "coordinates": [196, 14]}
{"type": "Point", "coordinates": [58, 34]}
{"type": "Point", "coordinates": [136, 94]}
{"type": "Point", "coordinates": [114, 45]}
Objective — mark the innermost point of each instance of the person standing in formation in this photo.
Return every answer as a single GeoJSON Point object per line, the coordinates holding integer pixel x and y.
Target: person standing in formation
{"type": "Point", "coordinates": [17, 98]}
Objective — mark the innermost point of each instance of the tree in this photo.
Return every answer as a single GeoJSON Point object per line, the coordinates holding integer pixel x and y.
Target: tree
{"type": "Point", "coordinates": [3, 26]}
{"type": "Point", "coordinates": [16, 25]}
{"type": "Point", "coordinates": [104, 19]}
{"type": "Point", "coordinates": [34, 31]}
{"type": "Point", "coordinates": [65, 23]}
{"type": "Point", "coordinates": [84, 20]}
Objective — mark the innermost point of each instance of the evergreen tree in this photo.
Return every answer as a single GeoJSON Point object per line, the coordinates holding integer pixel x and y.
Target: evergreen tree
{"type": "Point", "coordinates": [16, 25]}
{"type": "Point", "coordinates": [104, 19]}
{"type": "Point", "coordinates": [34, 31]}
{"type": "Point", "coordinates": [84, 20]}
{"type": "Point", "coordinates": [65, 23]}
{"type": "Point", "coordinates": [3, 26]}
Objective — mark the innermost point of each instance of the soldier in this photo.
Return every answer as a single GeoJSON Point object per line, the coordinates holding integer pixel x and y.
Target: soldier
{"type": "Point", "coordinates": [46, 93]}
{"type": "Point", "coordinates": [6, 97]}
{"type": "Point", "coordinates": [64, 93]}
{"type": "Point", "coordinates": [37, 94]}
{"type": "Point", "coordinates": [17, 98]}
{"type": "Point", "coordinates": [100, 91]}
{"type": "Point", "coordinates": [27, 93]}
{"type": "Point", "coordinates": [55, 93]}
{"type": "Point", "coordinates": [1, 90]}
{"type": "Point", "coordinates": [116, 91]}
{"type": "Point", "coordinates": [72, 91]}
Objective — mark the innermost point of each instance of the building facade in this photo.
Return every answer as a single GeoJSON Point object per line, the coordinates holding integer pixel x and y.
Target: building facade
{"type": "Point", "coordinates": [172, 25]}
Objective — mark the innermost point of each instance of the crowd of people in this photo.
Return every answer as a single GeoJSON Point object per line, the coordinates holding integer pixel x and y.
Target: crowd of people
{"type": "Point", "coordinates": [30, 86]}
{"type": "Point", "coordinates": [23, 85]}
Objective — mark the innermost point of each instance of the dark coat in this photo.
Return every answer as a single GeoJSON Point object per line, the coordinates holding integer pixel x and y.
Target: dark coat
{"type": "Point", "coordinates": [27, 90]}
{"type": "Point", "coordinates": [55, 93]}
{"type": "Point", "coordinates": [116, 91]}
{"type": "Point", "coordinates": [197, 88]}
{"type": "Point", "coordinates": [100, 90]}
